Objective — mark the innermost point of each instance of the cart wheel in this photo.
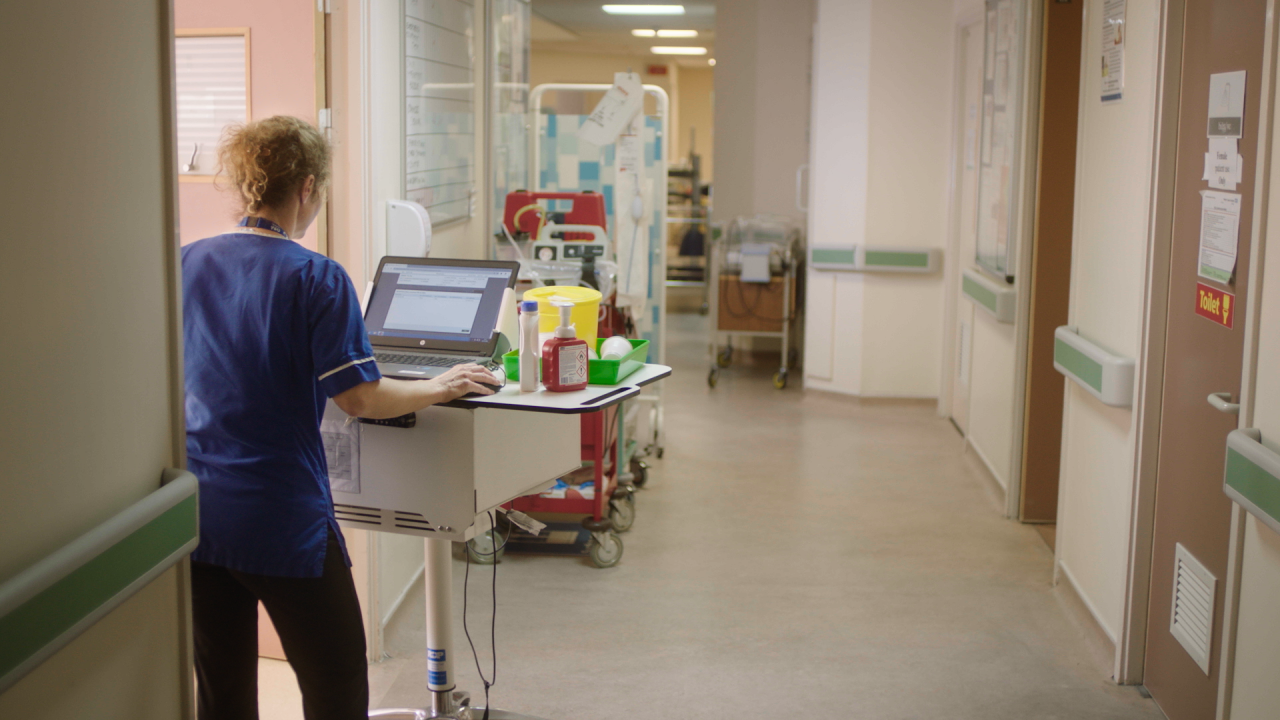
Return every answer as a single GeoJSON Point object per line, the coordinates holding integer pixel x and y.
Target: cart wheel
{"type": "Point", "coordinates": [481, 549]}
{"type": "Point", "coordinates": [640, 471]}
{"type": "Point", "coordinates": [605, 549]}
{"type": "Point", "coordinates": [780, 379]}
{"type": "Point", "coordinates": [712, 377]}
{"type": "Point", "coordinates": [623, 512]}
{"type": "Point", "coordinates": [724, 357]}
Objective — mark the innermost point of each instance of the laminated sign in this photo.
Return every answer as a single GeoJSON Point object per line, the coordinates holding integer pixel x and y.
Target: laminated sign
{"type": "Point", "coordinates": [1216, 305]}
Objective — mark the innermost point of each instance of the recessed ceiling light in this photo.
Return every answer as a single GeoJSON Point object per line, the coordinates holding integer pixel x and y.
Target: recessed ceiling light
{"type": "Point", "coordinates": [661, 50]}
{"type": "Point", "coordinates": [643, 9]}
{"type": "Point", "coordinates": [711, 62]}
{"type": "Point", "coordinates": [647, 32]}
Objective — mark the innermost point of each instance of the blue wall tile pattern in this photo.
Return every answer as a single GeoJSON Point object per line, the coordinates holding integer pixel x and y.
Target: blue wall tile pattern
{"type": "Point", "coordinates": [596, 171]}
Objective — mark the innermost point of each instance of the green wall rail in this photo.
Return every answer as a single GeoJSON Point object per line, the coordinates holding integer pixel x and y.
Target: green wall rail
{"type": "Point", "coordinates": [52, 602]}
{"type": "Point", "coordinates": [1105, 375]}
{"type": "Point", "coordinates": [864, 258]}
{"type": "Point", "coordinates": [1000, 299]}
{"type": "Point", "coordinates": [1252, 476]}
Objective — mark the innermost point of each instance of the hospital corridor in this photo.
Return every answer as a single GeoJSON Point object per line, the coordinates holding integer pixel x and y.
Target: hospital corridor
{"type": "Point", "coordinates": [581, 360]}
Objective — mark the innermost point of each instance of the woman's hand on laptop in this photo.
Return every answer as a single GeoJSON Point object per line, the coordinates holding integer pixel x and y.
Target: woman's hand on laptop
{"type": "Point", "coordinates": [460, 380]}
{"type": "Point", "coordinates": [388, 398]}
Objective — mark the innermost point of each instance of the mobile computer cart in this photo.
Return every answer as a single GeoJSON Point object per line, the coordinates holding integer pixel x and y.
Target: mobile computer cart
{"type": "Point", "coordinates": [754, 268]}
{"type": "Point", "coordinates": [437, 476]}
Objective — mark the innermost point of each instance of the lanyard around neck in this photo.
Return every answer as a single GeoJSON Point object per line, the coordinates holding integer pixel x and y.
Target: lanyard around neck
{"type": "Point", "coordinates": [262, 226]}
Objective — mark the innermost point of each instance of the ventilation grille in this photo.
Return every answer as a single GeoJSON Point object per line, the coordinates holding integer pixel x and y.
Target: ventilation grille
{"type": "Point", "coordinates": [407, 523]}
{"type": "Point", "coordinates": [1193, 596]}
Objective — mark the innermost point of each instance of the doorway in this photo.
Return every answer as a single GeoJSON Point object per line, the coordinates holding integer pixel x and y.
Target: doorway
{"type": "Point", "coordinates": [1203, 354]}
{"type": "Point", "coordinates": [964, 214]}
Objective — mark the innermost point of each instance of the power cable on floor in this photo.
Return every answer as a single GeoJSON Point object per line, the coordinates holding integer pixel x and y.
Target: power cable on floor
{"type": "Point", "coordinates": [493, 621]}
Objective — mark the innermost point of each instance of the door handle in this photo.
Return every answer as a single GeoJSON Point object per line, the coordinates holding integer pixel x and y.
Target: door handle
{"type": "Point", "coordinates": [1221, 403]}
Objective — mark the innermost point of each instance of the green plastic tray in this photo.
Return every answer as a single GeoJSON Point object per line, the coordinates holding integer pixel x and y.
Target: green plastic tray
{"type": "Point", "coordinates": [599, 372]}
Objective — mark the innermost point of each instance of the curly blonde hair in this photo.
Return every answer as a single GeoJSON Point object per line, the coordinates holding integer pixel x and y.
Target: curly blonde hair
{"type": "Point", "coordinates": [269, 159]}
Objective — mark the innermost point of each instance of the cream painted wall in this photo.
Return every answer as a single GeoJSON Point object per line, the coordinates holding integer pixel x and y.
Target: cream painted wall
{"type": "Point", "coordinates": [1113, 184]}
{"type": "Point", "coordinates": [991, 388]}
{"type": "Point", "coordinates": [1255, 694]}
{"type": "Point", "coordinates": [95, 273]}
{"type": "Point", "coordinates": [282, 75]}
{"type": "Point", "coordinates": [696, 99]}
{"type": "Point", "coordinates": [762, 106]}
{"type": "Point", "coordinates": [880, 173]}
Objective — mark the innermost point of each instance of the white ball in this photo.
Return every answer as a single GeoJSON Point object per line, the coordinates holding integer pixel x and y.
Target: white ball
{"type": "Point", "coordinates": [615, 348]}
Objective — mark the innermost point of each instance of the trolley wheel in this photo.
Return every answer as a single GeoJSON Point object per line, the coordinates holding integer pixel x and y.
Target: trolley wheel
{"type": "Point", "coordinates": [486, 548]}
{"type": "Point", "coordinates": [640, 471]}
{"type": "Point", "coordinates": [780, 379]}
{"type": "Point", "coordinates": [724, 357]}
{"type": "Point", "coordinates": [712, 377]}
{"type": "Point", "coordinates": [622, 511]}
{"type": "Point", "coordinates": [605, 549]}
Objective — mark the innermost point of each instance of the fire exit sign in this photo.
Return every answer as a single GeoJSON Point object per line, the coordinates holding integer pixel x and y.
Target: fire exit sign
{"type": "Point", "coordinates": [1217, 305]}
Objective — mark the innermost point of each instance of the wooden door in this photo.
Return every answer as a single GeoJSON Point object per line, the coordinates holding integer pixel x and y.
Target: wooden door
{"type": "Point", "coordinates": [970, 122]}
{"type": "Point", "coordinates": [1051, 259]}
{"type": "Point", "coordinates": [1202, 356]}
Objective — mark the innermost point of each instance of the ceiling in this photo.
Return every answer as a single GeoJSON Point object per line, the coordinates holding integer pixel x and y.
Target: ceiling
{"type": "Point", "coordinates": [581, 26]}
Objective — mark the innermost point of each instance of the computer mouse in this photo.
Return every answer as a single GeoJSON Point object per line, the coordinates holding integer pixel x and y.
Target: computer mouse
{"type": "Point", "coordinates": [491, 386]}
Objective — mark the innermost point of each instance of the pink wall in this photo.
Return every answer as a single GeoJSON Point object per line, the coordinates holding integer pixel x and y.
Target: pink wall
{"type": "Point", "coordinates": [282, 77]}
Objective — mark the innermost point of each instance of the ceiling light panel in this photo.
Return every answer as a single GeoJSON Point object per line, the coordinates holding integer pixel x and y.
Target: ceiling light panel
{"type": "Point", "coordinates": [677, 33]}
{"type": "Point", "coordinates": [643, 9]}
{"type": "Point", "coordinates": [644, 33]}
{"type": "Point", "coordinates": [661, 50]}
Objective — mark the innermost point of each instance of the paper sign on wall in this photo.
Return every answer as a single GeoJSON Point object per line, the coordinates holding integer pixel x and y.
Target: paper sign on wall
{"type": "Point", "coordinates": [1113, 37]}
{"type": "Point", "coordinates": [1219, 233]}
{"type": "Point", "coordinates": [1223, 166]}
{"type": "Point", "coordinates": [615, 110]}
{"type": "Point", "coordinates": [1226, 104]}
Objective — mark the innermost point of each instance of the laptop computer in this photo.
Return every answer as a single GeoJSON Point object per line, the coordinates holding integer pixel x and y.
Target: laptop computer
{"type": "Point", "coordinates": [426, 315]}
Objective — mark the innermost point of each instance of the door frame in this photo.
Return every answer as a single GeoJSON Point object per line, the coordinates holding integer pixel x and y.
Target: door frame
{"type": "Point", "coordinates": [1131, 644]}
{"type": "Point", "coordinates": [1131, 648]}
{"type": "Point", "coordinates": [951, 262]}
{"type": "Point", "coordinates": [1252, 328]}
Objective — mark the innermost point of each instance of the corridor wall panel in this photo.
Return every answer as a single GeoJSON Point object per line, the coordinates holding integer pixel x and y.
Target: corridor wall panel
{"type": "Point", "coordinates": [1109, 245]}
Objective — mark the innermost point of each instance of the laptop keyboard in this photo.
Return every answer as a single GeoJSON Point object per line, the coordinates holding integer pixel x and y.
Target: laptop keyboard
{"type": "Point", "coordinates": [429, 360]}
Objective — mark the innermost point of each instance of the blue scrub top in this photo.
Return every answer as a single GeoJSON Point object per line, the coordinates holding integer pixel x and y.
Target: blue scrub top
{"type": "Point", "coordinates": [270, 330]}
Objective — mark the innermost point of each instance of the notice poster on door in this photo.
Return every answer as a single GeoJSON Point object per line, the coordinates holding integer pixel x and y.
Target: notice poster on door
{"type": "Point", "coordinates": [1226, 104]}
{"type": "Point", "coordinates": [1113, 37]}
{"type": "Point", "coordinates": [1219, 235]}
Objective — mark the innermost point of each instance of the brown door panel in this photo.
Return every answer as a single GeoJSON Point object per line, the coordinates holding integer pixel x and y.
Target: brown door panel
{"type": "Point", "coordinates": [1202, 357]}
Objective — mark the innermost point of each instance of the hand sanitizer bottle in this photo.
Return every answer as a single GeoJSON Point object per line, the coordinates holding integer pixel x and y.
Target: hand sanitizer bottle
{"type": "Point", "coordinates": [564, 357]}
{"type": "Point", "coordinates": [529, 346]}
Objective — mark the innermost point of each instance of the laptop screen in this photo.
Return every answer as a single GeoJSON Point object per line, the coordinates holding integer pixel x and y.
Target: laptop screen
{"type": "Point", "coordinates": [437, 304]}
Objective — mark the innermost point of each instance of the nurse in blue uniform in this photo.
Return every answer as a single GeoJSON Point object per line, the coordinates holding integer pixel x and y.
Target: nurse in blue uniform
{"type": "Point", "coordinates": [271, 330]}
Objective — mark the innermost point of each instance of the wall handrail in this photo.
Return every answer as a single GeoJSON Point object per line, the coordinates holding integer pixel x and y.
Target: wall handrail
{"type": "Point", "coordinates": [875, 258]}
{"type": "Point", "coordinates": [46, 606]}
{"type": "Point", "coordinates": [1251, 476]}
{"type": "Point", "coordinates": [999, 299]}
{"type": "Point", "coordinates": [1105, 375]}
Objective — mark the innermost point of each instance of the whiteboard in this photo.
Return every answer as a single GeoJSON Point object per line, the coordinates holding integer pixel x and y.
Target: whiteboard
{"type": "Point", "coordinates": [439, 107]}
{"type": "Point", "coordinates": [1002, 113]}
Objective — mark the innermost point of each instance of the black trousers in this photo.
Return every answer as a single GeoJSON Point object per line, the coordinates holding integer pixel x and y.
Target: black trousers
{"type": "Point", "coordinates": [320, 627]}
